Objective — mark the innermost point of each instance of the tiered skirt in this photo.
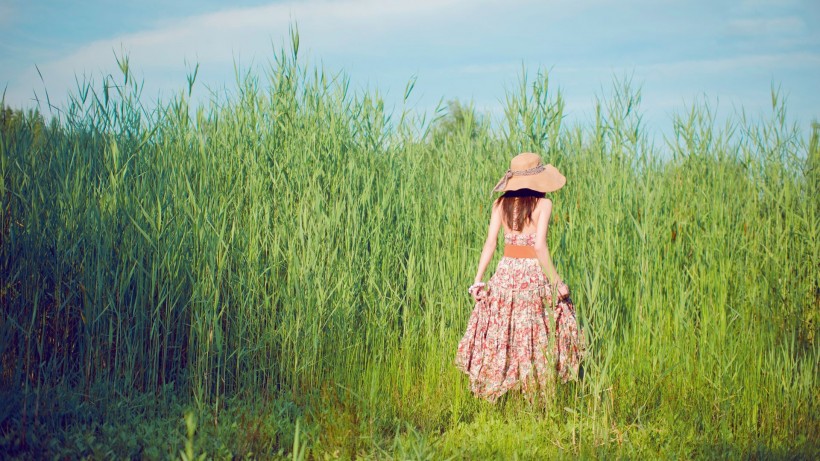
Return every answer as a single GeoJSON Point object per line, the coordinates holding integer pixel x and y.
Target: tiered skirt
{"type": "Point", "coordinates": [519, 336]}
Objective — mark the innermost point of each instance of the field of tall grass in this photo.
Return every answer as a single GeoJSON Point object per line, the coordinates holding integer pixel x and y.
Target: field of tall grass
{"type": "Point", "coordinates": [282, 272]}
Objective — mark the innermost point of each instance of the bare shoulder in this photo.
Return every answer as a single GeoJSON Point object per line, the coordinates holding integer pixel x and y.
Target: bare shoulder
{"type": "Point", "coordinates": [496, 207]}
{"type": "Point", "coordinates": [543, 209]}
{"type": "Point", "coordinates": [495, 213]}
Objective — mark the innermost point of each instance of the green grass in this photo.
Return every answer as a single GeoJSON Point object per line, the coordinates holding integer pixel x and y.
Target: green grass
{"type": "Point", "coordinates": [294, 254]}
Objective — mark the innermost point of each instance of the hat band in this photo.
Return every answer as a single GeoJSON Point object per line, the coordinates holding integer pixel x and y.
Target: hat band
{"type": "Point", "coordinates": [502, 184]}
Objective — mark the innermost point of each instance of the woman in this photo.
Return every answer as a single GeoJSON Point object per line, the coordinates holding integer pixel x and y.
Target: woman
{"type": "Point", "coordinates": [508, 341]}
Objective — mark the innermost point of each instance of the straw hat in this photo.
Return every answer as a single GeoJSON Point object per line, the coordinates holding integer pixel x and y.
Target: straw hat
{"type": "Point", "coordinates": [528, 172]}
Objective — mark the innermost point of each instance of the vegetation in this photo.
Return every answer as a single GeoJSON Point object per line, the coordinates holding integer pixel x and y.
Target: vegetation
{"type": "Point", "coordinates": [281, 272]}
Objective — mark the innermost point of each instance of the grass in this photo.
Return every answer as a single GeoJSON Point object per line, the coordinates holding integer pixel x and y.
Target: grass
{"type": "Point", "coordinates": [293, 256]}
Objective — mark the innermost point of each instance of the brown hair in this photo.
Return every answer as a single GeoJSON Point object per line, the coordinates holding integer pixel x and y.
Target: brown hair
{"type": "Point", "coordinates": [517, 207]}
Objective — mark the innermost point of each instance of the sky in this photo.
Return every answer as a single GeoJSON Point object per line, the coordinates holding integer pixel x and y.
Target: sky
{"type": "Point", "coordinates": [728, 54]}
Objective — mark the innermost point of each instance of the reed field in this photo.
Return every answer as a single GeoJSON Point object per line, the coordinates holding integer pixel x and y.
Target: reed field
{"type": "Point", "coordinates": [282, 272]}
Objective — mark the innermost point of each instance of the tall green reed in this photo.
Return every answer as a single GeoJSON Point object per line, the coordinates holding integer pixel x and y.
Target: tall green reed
{"type": "Point", "coordinates": [294, 239]}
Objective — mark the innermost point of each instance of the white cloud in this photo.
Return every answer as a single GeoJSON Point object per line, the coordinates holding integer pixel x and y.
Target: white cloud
{"type": "Point", "coordinates": [507, 68]}
{"type": "Point", "coordinates": [783, 61]}
{"type": "Point", "coordinates": [7, 12]}
{"type": "Point", "coordinates": [216, 40]}
{"type": "Point", "coordinates": [767, 3]}
{"type": "Point", "coordinates": [764, 26]}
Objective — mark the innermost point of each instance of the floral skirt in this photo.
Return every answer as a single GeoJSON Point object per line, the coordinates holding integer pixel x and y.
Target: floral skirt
{"type": "Point", "coordinates": [517, 337]}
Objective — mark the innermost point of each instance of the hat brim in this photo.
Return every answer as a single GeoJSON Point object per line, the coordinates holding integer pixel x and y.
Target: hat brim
{"type": "Point", "coordinates": [549, 180]}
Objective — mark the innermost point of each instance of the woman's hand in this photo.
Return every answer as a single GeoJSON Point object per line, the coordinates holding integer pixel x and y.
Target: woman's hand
{"type": "Point", "coordinates": [562, 290]}
{"type": "Point", "coordinates": [478, 291]}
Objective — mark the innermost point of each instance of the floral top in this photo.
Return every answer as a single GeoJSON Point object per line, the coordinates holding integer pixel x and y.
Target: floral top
{"type": "Point", "coordinates": [519, 239]}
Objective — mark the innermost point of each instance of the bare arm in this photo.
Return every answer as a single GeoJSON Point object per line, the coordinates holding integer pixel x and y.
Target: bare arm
{"type": "Point", "coordinates": [542, 252]}
{"type": "Point", "coordinates": [489, 244]}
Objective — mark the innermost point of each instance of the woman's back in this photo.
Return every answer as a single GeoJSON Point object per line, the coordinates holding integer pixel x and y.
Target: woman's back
{"type": "Point", "coordinates": [530, 229]}
{"type": "Point", "coordinates": [530, 226]}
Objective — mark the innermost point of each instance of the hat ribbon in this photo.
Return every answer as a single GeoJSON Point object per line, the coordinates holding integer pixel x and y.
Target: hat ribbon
{"type": "Point", "coordinates": [502, 184]}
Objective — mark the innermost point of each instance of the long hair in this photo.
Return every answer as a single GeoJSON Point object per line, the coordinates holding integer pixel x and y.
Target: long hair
{"type": "Point", "coordinates": [517, 207]}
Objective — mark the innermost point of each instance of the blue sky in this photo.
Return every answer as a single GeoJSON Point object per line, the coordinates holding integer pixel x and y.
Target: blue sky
{"type": "Point", "coordinates": [728, 53]}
